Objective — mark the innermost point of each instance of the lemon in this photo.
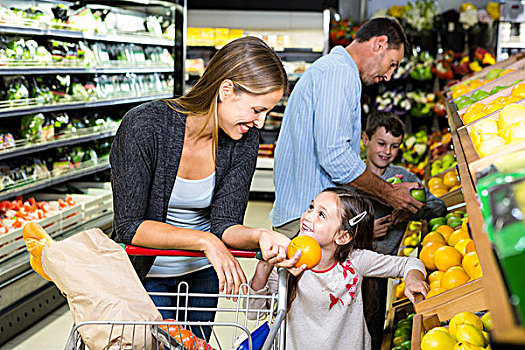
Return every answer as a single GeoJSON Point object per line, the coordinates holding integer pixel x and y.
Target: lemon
{"type": "Point", "coordinates": [490, 146]}
{"type": "Point", "coordinates": [489, 126]}
{"type": "Point", "coordinates": [465, 317]}
{"type": "Point", "coordinates": [511, 114]}
{"type": "Point", "coordinates": [408, 250]}
{"type": "Point", "coordinates": [466, 346]}
{"type": "Point", "coordinates": [487, 336]}
{"type": "Point", "coordinates": [467, 333]}
{"type": "Point", "coordinates": [436, 339]}
{"type": "Point", "coordinates": [400, 290]}
{"type": "Point", "coordinates": [478, 137]}
{"type": "Point", "coordinates": [487, 321]}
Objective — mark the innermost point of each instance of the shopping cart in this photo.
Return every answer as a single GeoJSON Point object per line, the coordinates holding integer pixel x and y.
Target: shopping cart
{"type": "Point", "coordinates": [237, 325]}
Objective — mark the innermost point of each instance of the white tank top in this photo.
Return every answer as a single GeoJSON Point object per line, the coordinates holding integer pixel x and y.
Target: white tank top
{"type": "Point", "coordinates": [189, 207]}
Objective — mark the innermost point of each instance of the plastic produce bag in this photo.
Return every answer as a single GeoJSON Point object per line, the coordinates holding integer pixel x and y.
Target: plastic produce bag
{"type": "Point", "coordinates": [100, 284]}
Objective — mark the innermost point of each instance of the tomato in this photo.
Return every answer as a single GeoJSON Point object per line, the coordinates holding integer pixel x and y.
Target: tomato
{"type": "Point", "coordinates": [61, 203]}
{"type": "Point", "coordinates": [70, 201]}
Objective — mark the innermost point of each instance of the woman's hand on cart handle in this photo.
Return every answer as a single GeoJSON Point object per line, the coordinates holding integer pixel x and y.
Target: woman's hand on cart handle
{"type": "Point", "coordinates": [229, 271]}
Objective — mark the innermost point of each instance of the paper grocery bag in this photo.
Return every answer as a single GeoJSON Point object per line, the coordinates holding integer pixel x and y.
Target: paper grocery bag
{"type": "Point", "coordinates": [100, 284]}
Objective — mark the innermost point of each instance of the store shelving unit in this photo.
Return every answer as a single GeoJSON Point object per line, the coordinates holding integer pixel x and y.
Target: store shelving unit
{"type": "Point", "coordinates": [25, 147]}
{"type": "Point", "coordinates": [28, 109]}
{"type": "Point", "coordinates": [506, 329]}
{"type": "Point", "coordinates": [488, 292]}
{"type": "Point", "coordinates": [25, 296]}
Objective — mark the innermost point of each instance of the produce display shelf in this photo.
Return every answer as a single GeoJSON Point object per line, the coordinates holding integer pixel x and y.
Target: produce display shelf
{"type": "Point", "coordinates": [39, 70]}
{"type": "Point", "coordinates": [452, 198]}
{"type": "Point", "coordinates": [40, 184]}
{"type": "Point", "coordinates": [88, 207]}
{"type": "Point", "coordinates": [394, 314]}
{"type": "Point", "coordinates": [11, 112]}
{"type": "Point", "coordinates": [508, 80]}
{"type": "Point", "coordinates": [135, 38]}
{"type": "Point", "coordinates": [511, 62]}
{"type": "Point", "coordinates": [471, 293]}
{"type": "Point", "coordinates": [76, 138]}
{"type": "Point", "coordinates": [506, 329]}
{"type": "Point", "coordinates": [454, 120]}
{"type": "Point", "coordinates": [422, 323]}
{"type": "Point", "coordinates": [472, 158]}
{"type": "Point", "coordinates": [27, 30]}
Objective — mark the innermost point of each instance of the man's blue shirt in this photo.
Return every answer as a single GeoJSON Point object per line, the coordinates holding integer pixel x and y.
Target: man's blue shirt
{"type": "Point", "coordinates": [318, 145]}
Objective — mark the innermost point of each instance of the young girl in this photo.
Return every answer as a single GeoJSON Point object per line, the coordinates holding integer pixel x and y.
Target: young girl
{"type": "Point", "coordinates": [325, 303]}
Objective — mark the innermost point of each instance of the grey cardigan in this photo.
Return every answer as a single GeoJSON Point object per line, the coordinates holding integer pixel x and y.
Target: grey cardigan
{"type": "Point", "coordinates": [144, 160]}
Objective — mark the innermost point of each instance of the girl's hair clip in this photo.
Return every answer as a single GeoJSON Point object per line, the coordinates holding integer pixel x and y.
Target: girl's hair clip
{"type": "Point", "coordinates": [356, 219]}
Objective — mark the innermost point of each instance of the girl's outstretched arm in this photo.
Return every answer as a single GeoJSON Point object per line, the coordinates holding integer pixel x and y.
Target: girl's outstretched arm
{"type": "Point", "coordinates": [260, 278]}
{"type": "Point", "coordinates": [415, 283]}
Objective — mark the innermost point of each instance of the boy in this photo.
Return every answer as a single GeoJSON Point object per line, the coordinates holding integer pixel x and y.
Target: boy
{"type": "Point", "coordinates": [382, 138]}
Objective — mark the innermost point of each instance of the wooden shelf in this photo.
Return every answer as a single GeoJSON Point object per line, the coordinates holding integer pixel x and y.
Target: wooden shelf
{"type": "Point", "coordinates": [453, 198]}
{"type": "Point", "coordinates": [506, 329]}
{"type": "Point", "coordinates": [447, 303]}
{"type": "Point", "coordinates": [511, 62]}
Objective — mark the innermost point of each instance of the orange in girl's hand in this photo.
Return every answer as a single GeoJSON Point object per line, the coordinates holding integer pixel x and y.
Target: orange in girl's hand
{"type": "Point", "coordinates": [311, 251]}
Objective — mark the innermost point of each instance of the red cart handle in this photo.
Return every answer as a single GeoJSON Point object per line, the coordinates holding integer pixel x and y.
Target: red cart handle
{"type": "Point", "coordinates": [134, 250]}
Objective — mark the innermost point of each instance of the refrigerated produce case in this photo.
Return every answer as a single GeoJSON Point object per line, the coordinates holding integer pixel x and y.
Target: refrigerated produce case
{"type": "Point", "coordinates": [136, 56]}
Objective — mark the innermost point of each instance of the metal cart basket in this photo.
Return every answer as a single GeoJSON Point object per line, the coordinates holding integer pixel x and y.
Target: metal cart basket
{"type": "Point", "coordinates": [237, 324]}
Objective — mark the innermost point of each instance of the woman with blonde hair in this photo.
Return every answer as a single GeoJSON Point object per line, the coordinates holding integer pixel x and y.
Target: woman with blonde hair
{"type": "Point", "coordinates": [181, 173]}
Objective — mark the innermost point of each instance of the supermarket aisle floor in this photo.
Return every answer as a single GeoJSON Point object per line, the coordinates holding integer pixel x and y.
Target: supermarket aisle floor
{"type": "Point", "coordinates": [52, 332]}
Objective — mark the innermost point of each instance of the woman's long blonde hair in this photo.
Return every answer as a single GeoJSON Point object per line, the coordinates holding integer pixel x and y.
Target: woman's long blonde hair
{"type": "Point", "coordinates": [249, 63]}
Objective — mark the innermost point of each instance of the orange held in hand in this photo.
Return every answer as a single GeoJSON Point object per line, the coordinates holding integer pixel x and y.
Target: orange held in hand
{"type": "Point", "coordinates": [311, 251]}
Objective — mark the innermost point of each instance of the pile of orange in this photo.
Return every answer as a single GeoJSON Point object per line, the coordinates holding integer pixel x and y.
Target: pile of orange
{"type": "Point", "coordinates": [450, 257]}
{"type": "Point", "coordinates": [439, 186]}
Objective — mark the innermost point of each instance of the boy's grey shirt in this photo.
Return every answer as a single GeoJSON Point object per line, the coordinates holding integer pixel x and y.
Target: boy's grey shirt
{"type": "Point", "coordinates": [389, 244]}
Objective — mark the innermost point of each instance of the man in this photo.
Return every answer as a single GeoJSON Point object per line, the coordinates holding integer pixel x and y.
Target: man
{"type": "Point", "coordinates": [319, 141]}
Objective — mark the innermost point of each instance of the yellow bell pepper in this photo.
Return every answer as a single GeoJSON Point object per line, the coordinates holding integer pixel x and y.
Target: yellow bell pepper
{"type": "Point", "coordinates": [474, 66]}
{"type": "Point", "coordinates": [488, 59]}
{"type": "Point", "coordinates": [467, 6]}
{"type": "Point", "coordinates": [493, 10]}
